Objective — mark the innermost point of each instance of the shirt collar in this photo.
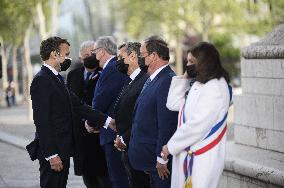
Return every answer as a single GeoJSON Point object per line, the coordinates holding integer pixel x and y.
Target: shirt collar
{"type": "Point", "coordinates": [51, 68]}
{"type": "Point", "coordinates": [157, 72]}
{"type": "Point", "coordinates": [108, 61]}
{"type": "Point", "coordinates": [135, 73]}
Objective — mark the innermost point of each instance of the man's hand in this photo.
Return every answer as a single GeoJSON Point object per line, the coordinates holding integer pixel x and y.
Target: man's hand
{"type": "Point", "coordinates": [162, 170]}
{"type": "Point", "coordinates": [119, 145]}
{"type": "Point", "coordinates": [112, 125]}
{"type": "Point", "coordinates": [56, 164]}
{"type": "Point", "coordinates": [165, 152]}
{"type": "Point", "coordinates": [91, 129]}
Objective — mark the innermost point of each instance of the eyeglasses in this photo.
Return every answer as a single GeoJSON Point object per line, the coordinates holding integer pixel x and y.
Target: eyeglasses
{"type": "Point", "coordinates": [143, 54]}
{"type": "Point", "coordinates": [95, 50]}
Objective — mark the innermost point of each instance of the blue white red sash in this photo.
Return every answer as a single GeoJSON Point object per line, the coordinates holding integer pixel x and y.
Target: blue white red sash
{"type": "Point", "coordinates": [219, 129]}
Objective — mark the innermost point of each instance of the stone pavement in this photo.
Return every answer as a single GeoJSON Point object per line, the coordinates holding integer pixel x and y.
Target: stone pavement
{"type": "Point", "coordinates": [16, 168]}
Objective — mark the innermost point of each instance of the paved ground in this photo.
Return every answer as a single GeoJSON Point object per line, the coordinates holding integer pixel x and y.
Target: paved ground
{"type": "Point", "coordinates": [16, 169]}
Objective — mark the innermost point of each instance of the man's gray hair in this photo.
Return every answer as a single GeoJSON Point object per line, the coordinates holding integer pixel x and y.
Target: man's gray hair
{"type": "Point", "coordinates": [108, 43]}
{"type": "Point", "coordinates": [133, 47]}
{"type": "Point", "coordinates": [86, 44]}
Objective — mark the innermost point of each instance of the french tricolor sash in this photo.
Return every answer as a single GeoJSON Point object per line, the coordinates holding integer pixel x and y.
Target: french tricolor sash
{"type": "Point", "coordinates": [217, 133]}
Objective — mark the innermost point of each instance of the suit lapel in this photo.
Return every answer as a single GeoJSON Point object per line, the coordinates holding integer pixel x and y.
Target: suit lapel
{"type": "Point", "coordinates": [130, 85]}
{"type": "Point", "coordinates": [152, 83]}
{"type": "Point", "coordinates": [57, 82]}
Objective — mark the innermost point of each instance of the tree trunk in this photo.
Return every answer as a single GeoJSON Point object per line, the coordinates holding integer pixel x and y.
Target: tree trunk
{"type": "Point", "coordinates": [179, 62]}
{"type": "Point", "coordinates": [54, 12]}
{"type": "Point", "coordinates": [90, 15]}
{"type": "Point", "coordinates": [29, 73]}
{"type": "Point", "coordinates": [4, 79]}
{"type": "Point", "coordinates": [41, 21]}
{"type": "Point", "coordinates": [15, 71]}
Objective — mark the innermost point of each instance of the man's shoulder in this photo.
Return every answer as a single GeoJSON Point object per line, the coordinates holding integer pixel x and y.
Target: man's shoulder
{"type": "Point", "coordinates": [40, 75]}
{"type": "Point", "coordinates": [76, 71]}
{"type": "Point", "coordinates": [166, 74]}
{"type": "Point", "coordinates": [40, 80]}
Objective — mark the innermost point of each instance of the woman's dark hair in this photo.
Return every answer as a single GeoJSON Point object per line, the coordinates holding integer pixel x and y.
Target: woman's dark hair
{"type": "Point", "coordinates": [49, 45]}
{"type": "Point", "coordinates": [208, 62]}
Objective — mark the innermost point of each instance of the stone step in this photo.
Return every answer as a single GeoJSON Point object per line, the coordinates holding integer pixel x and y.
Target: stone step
{"type": "Point", "coordinates": [259, 164]}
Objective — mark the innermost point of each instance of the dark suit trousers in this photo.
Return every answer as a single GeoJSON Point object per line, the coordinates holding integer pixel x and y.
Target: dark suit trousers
{"type": "Point", "coordinates": [52, 179]}
{"type": "Point", "coordinates": [116, 170]}
{"type": "Point", "coordinates": [94, 181]}
{"type": "Point", "coordinates": [157, 182]}
{"type": "Point", "coordinates": [138, 179]}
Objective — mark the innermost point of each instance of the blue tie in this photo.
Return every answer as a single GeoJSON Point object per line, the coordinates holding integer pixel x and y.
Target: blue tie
{"type": "Point", "coordinates": [148, 81]}
{"type": "Point", "coordinates": [87, 77]}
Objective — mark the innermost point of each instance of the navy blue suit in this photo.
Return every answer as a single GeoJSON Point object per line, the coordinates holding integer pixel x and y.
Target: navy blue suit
{"type": "Point", "coordinates": [153, 125]}
{"type": "Point", "coordinates": [107, 89]}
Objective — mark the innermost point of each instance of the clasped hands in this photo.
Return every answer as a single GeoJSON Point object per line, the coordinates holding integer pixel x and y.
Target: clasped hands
{"type": "Point", "coordinates": [56, 164]}
{"type": "Point", "coordinates": [91, 129]}
{"type": "Point", "coordinates": [119, 144]}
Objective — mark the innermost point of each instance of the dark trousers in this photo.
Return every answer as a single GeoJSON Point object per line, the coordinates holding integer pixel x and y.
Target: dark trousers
{"type": "Point", "coordinates": [157, 182]}
{"type": "Point", "coordinates": [116, 171]}
{"type": "Point", "coordinates": [52, 179]}
{"type": "Point", "coordinates": [94, 181]}
{"type": "Point", "coordinates": [137, 179]}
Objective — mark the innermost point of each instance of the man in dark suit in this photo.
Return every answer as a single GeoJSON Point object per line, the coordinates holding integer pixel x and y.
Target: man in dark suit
{"type": "Point", "coordinates": [128, 64]}
{"type": "Point", "coordinates": [153, 124]}
{"type": "Point", "coordinates": [53, 107]}
{"type": "Point", "coordinates": [108, 87]}
{"type": "Point", "coordinates": [89, 158]}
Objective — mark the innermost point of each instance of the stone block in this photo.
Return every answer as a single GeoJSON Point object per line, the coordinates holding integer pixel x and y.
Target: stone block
{"type": "Point", "coordinates": [245, 135]}
{"type": "Point", "coordinates": [258, 137]}
{"type": "Point", "coordinates": [263, 86]}
{"type": "Point", "coordinates": [260, 111]}
{"type": "Point", "coordinates": [278, 112]}
{"type": "Point", "coordinates": [262, 68]}
{"type": "Point", "coordinates": [255, 111]}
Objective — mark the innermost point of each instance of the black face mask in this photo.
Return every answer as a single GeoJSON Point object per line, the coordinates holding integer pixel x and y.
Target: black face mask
{"type": "Point", "coordinates": [191, 70]}
{"type": "Point", "coordinates": [65, 65]}
{"type": "Point", "coordinates": [121, 66]}
{"type": "Point", "coordinates": [91, 62]}
{"type": "Point", "coordinates": [141, 63]}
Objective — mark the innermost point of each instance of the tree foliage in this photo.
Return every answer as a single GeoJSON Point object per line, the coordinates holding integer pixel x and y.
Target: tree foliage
{"type": "Point", "coordinates": [15, 18]}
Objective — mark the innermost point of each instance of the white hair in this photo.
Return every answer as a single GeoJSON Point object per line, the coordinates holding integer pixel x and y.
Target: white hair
{"type": "Point", "coordinates": [108, 43]}
{"type": "Point", "coordinates": [86, 44]}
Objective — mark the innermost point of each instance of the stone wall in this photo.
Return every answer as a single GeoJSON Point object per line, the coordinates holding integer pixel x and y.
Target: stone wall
{"type": "Point", "coordinates": [256, 157]}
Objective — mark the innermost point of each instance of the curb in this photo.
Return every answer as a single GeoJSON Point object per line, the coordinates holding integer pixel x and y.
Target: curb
{"type": "Point", "coordinates": [17, 141]}
{"type": "Point", "coordinates": [14, 140]}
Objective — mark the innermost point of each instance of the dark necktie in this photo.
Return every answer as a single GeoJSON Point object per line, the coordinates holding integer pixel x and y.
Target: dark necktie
{"type": "Point", "coordinates": [60, 78]}
{"type": "Point", "coordinates": [123, 90]}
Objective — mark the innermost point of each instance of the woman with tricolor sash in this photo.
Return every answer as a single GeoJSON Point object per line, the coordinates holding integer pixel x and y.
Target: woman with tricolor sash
{"type": "Point", "coordinates": [202, 96]}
